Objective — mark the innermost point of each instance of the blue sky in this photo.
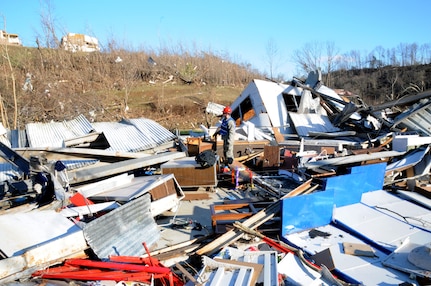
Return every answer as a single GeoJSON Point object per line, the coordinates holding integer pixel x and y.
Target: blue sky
{"type": "Point", "coordinates": [240, 29]}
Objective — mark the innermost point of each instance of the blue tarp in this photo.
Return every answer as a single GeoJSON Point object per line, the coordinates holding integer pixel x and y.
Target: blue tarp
{"type": "Point", "coordinates": [313, 210]}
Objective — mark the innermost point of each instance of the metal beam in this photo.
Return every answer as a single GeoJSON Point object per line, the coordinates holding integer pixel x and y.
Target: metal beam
{"type": "Point", "coordinates": [106, 170]}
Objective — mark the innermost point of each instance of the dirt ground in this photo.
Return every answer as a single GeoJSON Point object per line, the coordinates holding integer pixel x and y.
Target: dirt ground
{"type": "Point", "coordinates": [179, 106]}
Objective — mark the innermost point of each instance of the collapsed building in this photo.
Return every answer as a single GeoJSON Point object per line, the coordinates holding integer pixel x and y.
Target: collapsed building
{"type": "Point", "coordinates": [9, 39]}
{"type": "Point", "coordinates": [79, 43]}
{"type": "Point", "coordinates": [323, 190]}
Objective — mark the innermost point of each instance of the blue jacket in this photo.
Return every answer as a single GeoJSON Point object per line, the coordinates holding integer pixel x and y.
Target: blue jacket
{"type": "Point", "coordinates": [224, 128]}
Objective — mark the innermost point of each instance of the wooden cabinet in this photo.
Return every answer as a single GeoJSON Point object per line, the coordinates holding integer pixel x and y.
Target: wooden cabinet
{"type": "Point", "coordinates": [190, 174]}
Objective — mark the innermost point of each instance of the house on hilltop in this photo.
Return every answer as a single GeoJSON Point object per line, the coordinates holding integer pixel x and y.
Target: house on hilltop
{"type": "Point", "coordinates": [79, 43]}
{"type": "Point", "coordinates": [9, 39]}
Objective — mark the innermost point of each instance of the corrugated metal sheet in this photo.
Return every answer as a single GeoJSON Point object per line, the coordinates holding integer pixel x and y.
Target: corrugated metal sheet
{"type": "Point", "coordinates": [153, 130]}
{"type": "Point", "coordinates": [53, 134]}
{"type": "Point", "coordinates": [8, 172]}
{"type": "Point", "coordinates": [269, 274]}
{"type": "Point", "coordinates": [80, 125]}
{"type": "Point", "coordinates": [123, 230]}
{"type": "Point", "coordinates": [418, 118]}
{"type": "Point", "coordinates": [76, 164]}
{"type": "Point", "coordinates": [221, 273]}
{"type": "Point", "coordinates": [123, 137]}
{"type": "Point", "coordinates": [18, 138]}
{"type": "Point", "coordinates": [134, 135]}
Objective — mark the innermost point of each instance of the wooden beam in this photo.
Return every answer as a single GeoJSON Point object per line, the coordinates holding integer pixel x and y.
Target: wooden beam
{"type": "Point", "coordinates": [235, 234]}
{"type": "Point", "coordinates": [253, 222]}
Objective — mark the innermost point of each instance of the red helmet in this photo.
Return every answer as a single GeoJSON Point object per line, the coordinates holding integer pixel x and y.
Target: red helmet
{"type": "Point", "coordinates": [227, 110]}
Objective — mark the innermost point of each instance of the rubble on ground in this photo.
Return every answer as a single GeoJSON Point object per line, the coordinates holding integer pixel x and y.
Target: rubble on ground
{"type": "Point", "coordinates": [323, 189]}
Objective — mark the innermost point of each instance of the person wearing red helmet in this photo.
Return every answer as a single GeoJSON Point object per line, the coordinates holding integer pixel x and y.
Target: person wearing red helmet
{"type": "Point", "coordinates": [227, 132]}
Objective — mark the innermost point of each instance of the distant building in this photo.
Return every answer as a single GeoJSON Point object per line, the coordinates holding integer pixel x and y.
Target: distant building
{"type": "Point", "coordinates": [79, 43]}
{"type": "Point", "coordinates": [9, 39]}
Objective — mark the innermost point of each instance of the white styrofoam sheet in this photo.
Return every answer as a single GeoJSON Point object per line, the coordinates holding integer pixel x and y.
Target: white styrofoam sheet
{"type": "Point", "coordinates": [398, 208]}
{"type": "Point", "coordinates": [379, 227]}
{"type": "Point", "coordinates": [363, 269]}
{"type": "Point", "coordinates": [416, 197]}
{"type": "Point", "coordinates": [296, 273]}
{"type": "Point", "coordinates": [20, 232]}
{"type": "Point", "coordinates": [399, 260]}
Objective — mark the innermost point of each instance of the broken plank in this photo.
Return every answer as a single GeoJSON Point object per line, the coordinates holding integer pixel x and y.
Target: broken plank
{"type": "Point", "coordinates": [187, 274]}
{"type": "Point", "coordinates": [256, 266]}
{"type": "Point", "coordinates": [310, 190]}
{"type": "Point", "coordinates": [234, 234]}
{"type": "Point", "coordinates": [195, 196]}
{"type": "Point", "coordinates": [177, 246]}
{"type": "Point", "coordinates": [246, 158]}
{"type": "Point", "coordinates": [255, 220]}
{"type": "Point", "coordinates": [299, 190]}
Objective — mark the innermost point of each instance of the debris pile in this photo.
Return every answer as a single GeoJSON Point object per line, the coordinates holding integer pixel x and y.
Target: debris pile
{"type": "Point", "coordinates": [323, 190]}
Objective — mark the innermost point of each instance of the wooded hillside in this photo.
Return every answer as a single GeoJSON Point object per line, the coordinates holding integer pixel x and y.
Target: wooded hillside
{"type": "Point", "coordinates": [170, 88]}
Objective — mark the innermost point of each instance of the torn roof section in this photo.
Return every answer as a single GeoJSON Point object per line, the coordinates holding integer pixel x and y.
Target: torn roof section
{"type": "Point", "coordinates": [417, 117]}
{"type": "Point", "coordinates": [268, 104]}
{"type": "Point", "coordinates": [142, 134]}
{"type": "Point", "coordinates": [53, 134]}
{"type": "Point", "coordinates": [262, 104]}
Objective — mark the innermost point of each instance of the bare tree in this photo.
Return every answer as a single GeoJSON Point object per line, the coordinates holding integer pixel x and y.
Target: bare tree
{"type": "Point", "coordinates": [413, 54]}
{"type": "Point", "coordinates": [425, 54]}
{"type": "Point", "coordinates": [331, 56]}
{"type": "Point", "coordinates": [273, 57]}
{"type": "Point", "coordinates": [392, 55]}
{"type": "Point", "coordinates": [356, 59]}
{"type": "Point", "coordinates": [316, 55]}
{"type": "Point", "coordinates": [403, 52]}
{"type": "Point", "coordinates": [5, 53]}
{"type": "Point", "coordinates": [309, 58]}
{"type": "Point", "coordinates": [379, 55]}
{"type": "Point", "coordinates": [48, 26]}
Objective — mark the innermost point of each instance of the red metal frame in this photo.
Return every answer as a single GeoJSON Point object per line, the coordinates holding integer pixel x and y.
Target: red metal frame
{"type": "Point", "coordinates": [119, 268]}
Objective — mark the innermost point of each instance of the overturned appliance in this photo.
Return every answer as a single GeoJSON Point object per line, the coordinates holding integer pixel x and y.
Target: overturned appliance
{"type": "Point", "coordinates": [164, 191]}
